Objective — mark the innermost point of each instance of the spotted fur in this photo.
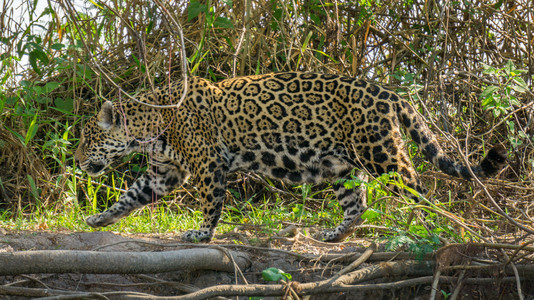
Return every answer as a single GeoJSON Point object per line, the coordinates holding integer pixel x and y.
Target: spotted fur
{"type": "Point", "coordinates": [296, 127]}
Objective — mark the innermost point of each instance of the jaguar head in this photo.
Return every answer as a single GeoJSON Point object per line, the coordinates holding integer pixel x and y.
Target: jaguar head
{"type": "Point", "coordinates": [103, 141]}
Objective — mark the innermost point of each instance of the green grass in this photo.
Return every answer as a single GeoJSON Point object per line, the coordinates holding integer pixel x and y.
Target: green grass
{"type": "Point", "coordinates": [269, 211]}
{"type": "Point", "coordinates": [160, 219]}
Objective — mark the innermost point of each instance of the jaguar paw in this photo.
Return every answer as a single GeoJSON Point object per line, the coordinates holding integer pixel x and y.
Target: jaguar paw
{"type": "Point", "coordinates": [196, 236]}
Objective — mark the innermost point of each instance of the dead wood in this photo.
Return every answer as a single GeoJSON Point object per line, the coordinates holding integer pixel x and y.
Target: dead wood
{"type": "Point", "coordinates": [237, 290]}
{"type": "Point", "coordinates": [75, 261]}
{"type": "Point", "coordinates": [384, 271]}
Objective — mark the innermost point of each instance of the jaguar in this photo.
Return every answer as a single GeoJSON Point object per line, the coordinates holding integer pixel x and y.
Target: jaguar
{"type": "Point", "coordinates": [293, 126]}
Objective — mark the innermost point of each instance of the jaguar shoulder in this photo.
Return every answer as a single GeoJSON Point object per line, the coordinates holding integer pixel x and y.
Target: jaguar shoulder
{"type": "Point", "coordinates": [297, 127]}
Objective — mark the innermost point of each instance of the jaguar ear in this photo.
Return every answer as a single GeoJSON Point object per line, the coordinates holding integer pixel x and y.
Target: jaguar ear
{"type": "Point", "coordinates": [107, 116]}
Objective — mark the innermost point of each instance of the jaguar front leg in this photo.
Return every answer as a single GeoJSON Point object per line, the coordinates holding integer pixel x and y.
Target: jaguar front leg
{"type": "Point", "coordinates": [212, 195]}
{"type": "Point", "coordinates": [160, 180]}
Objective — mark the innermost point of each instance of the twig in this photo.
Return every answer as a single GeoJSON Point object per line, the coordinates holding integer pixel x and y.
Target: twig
{"type": "Point", "coordinates": [490, 197]}
{"type": "Point", "coordinates": [246, 17]}
{"type": "Point", "coordinates": [364, 257]}
{"type": "Point", "coordinates": [459, 286]}
{"type": "Point", "coordinates": [32, 292]}
{"type": "Point", "coordinates": [435, 283]}
{"type": "Point", "coordinates": [184, 63]}
{"type": "Point", "coordinates": [494, 246]}
{"type": "Point", "coordinates": [71, 12]}
{"type": "Point", "coordinates": [518, 282]}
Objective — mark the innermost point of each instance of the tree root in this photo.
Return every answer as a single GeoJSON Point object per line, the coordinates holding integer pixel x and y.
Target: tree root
{"type": "Point", "coordinates": [75, 261]}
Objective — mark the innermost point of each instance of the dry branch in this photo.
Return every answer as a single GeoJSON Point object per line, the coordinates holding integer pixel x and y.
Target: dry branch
{"type": "Point", "coordinates": [32, 292]}
{"type": "Point", "coordinates": [342, 284]}
{"type": "Point", "coordinates": [325, 286]}
{"type": "Point", "coordinates": [236, 290]}
{"type": "Point", "coordinates": [65, 261]}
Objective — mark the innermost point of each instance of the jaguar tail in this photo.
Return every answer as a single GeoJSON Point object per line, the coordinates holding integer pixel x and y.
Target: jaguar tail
{"type": "Point", "coordinates": [421, 134]}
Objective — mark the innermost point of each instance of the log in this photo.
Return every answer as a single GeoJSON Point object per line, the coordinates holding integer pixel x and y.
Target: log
{"type": "Point", "coordinates": [93, 262]}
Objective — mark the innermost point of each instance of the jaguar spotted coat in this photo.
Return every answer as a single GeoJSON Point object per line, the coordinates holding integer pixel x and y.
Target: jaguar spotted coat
{"type": "Point", "coordinates": [297, 127]}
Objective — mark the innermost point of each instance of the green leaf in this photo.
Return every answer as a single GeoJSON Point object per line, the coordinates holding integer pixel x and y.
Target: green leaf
{"type": "Point", "coordinates": [488, 103]}
{"type": "Point", "coordinates": [35, 191]}
{"type": "Point", "coordinates": [37, 90]}
{"type": "Point", "coordinates": [3, 99]}
{"type": "Point", "coordinates": [50, 86]}
{"type": "Point", "coordinates": [398, 241]}
{"type": "Point", "coordinates": [223, 23]}
{"type": "Point", "coordinates": [18, 135]}
{"type": "Point", "coordinates": [149, 27]}
{"type": "Point", "coordinates": [511, 125]}
{"type": "Point", "coordinates": [275, 274]}
{"type": "Point", "coordinates": [489, 91]}
{"type": "Point", "coordinates": [513, 101]}
{"type": "Point", "coordinates": [32, 130]}
{"type": "Point", "coordinates": [520, 85]}
{"type": "Point", "coordinates": [96, 5]}
{"type": "Point", "coordinates": [509, 68]}
{"type": "Point", "coordinates": [277, 15]}
{"type": "Point", "coordinates": [371, 214]}
{"type": "Point", "coordinates": [35, 55]}
{"type": "Point", "coordinates": [316, 19]}
{"type": "Point", "coordinates": [64, 105]}
{"type": "Point", "coordinates": [498, 5]}
{"type": "Point", "coordinates": [41, 55]}
{"type": "Point", "coordinates": [33, 62]}
{"type": "Point", "coordinates": [488, 69]}
{"type": "Point", "coordinates": [515, 141]}
{"type": "Point", "coordinates": [194, 9]}
{"type": "Point", "coordinates": [57, 46]}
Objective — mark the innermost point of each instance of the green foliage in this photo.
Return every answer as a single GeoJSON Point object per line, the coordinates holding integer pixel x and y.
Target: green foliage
{"type": "Point", "coordinates": [37, 108]}
{"type": "Point", "coordinates": [419, 245]}
{"type": "Point", "coordinates": [275, 274]}
{"type": "Point", "coordinates": [270, 210]}
{"type": "Point", "coordinates": [367, 8]}
{"type": "Point", "coordinates": [501, 98]}
{"type": "Point", "coordinates": [384, 211]}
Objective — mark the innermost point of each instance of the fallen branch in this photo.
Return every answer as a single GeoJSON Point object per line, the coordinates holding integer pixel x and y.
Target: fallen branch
{"type": "Point", "coordinates": [352, 281]}
{"type": "Point", "coordinates": [33, 292]}
{"type": "Point", "coordinates": [74, 261]}
{"type": "Point", "coordinates": [341, 284]}
{"type": "Point", "coordinates": [241, 290]}
{"type": "Point", "coordinates": [259, 290]}
{"type": "Point", "coordinates": [388, 269]}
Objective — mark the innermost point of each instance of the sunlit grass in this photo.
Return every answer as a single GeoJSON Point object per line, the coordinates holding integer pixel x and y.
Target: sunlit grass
{"type": "Point", "coordinates": [268, 212]}
{"type": "Point", "coordinates": [158, 219]}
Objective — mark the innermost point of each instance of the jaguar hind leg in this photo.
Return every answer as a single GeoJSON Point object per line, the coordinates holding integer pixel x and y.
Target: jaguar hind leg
{"type": "Point", "coordinates": [212, 195]}
{"type": "Point", "coordinates": [353, 201]}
